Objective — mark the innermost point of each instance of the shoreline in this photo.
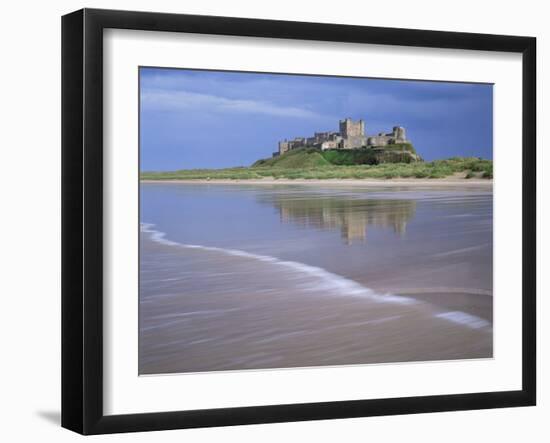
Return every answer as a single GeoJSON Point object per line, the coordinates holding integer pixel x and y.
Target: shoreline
{"type": "Point", "coordinates": [433, 182]}
{"type": "Point", "coordinates": [303, 329]}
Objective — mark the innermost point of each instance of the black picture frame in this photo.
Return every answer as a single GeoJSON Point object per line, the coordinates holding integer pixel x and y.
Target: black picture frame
{"type": "Point", "coordinates": [82, 219]}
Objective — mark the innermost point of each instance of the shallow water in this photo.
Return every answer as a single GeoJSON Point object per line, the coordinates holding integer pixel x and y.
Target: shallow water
{"type": "Point", "coordinates": [259, 276]}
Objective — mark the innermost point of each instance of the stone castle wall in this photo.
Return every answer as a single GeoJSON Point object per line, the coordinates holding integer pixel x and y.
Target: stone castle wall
{"type": "Point", "coordinates": [351, 136]}
{"type": "Point", "coordinates": [349, 128]}
{"type": "Point", "coordinates": [397, 136]}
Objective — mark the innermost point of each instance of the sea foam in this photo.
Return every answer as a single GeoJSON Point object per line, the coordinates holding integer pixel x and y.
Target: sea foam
{"type": "Point", "coordinates": [325, 280]}
{"type": "Point", "coordinates": [462, 318]}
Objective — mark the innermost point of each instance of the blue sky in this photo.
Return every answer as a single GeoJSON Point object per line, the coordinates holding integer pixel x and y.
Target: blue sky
{"type": "Point", "coordinates": [213, 119]}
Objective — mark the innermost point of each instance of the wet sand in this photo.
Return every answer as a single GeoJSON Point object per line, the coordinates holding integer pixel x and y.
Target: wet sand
{"type": "Point", "coordinates": [281, 276]}
{"type": "Point", "coordinates": [255, 315]}
{"type": "Point", "coordinates": [371, 182]}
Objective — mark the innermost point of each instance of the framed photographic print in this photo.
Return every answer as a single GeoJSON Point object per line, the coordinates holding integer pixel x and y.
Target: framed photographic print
{"type": "Point", "coordinates": [269, 221]}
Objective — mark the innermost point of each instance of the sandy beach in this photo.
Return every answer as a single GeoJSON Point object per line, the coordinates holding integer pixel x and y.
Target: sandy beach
{"type": "Point", "coordinates": [413, 182]}
{"type": "Point", "coordinates": [281, 273]}
{"type": "Point", "coordinates": [267, 321]}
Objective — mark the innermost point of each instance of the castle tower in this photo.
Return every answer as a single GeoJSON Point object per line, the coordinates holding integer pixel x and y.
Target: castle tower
{"type": "Point", "coordinates": [284, 147]}
{"type": "Point", "coordinates": [349, 128]}
{"type": "Point", "coordinates": [399, 134]}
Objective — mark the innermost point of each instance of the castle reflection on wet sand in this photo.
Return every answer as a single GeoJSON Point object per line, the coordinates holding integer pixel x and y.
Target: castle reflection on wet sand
{"type": "Point", "coordinates": [351, 216]}
{"type": "Point", "coordinates": [239, 277]}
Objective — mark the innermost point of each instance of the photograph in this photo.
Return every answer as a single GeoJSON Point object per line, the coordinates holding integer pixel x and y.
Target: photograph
{"type": "Point", "coordinates": [301, 220]}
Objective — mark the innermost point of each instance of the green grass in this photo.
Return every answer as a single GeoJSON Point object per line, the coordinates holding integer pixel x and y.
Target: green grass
{"type": "Point", "coordinates": [312, 157]}
{"type": "Point", "coordinates": [298, 158]}
{"type": "Point", "coordinates": [350, 157]}
{"type": "Point", "coordinates": [313, 167]}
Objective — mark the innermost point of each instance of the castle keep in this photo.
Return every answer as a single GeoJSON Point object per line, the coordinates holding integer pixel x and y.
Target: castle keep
{"type": "Point", "coordinates": [351, 135]}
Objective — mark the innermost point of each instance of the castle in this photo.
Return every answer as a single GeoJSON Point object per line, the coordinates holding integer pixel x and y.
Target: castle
{"type": "Point", "coordinates": [333, 213]}
{"type": "Point", "coordinates": [351, 135]}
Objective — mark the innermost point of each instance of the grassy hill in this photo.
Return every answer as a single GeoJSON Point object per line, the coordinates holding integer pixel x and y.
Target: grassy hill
{"type": "Point", "coordinates": [313, 165]}
{"type": "Point", "coordinates": [311, 157]}
{"type": "Point", "coordinates": [298, 158]}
